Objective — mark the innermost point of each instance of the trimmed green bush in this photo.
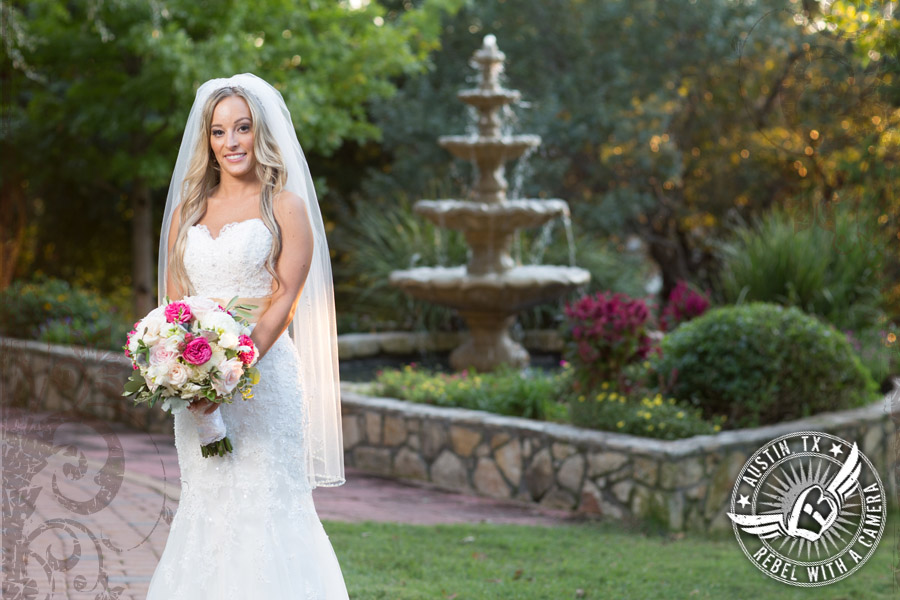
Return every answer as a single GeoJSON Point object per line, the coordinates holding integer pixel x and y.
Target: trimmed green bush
{"type": "Point", "coordinates": [763, 363]}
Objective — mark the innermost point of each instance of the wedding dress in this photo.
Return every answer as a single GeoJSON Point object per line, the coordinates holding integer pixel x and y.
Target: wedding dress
{"type": "Point", "coordinates": [246, 527]}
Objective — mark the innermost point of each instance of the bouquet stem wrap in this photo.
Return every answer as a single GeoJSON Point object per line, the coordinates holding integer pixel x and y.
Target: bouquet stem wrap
{"type": "Point", "coordinates": [210, 427]}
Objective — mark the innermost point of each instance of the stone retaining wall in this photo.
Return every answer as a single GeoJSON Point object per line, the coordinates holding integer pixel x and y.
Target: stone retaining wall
{"type": "Point", "coordinates": [684, 484]}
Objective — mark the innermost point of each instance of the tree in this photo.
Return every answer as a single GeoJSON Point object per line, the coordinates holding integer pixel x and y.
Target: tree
{"type": "Point", "coordinates": [673, 120]}
{"type": "Point", "coordinates": [100, 93]}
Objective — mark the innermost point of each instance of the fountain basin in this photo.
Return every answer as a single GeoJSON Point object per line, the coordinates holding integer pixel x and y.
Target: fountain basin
{"type": "Point", "coordinates": [502, 218]}
{"type": "Point", "coordinates": [487, 99]}
{"type": "Point", "coordinates": [514, 290]}
{"type": "Point", "coordinates": [488, 149]}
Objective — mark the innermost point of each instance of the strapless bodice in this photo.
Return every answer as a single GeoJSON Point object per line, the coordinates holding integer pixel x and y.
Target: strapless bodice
{"type": "Point", "coordinates": [231, 264]}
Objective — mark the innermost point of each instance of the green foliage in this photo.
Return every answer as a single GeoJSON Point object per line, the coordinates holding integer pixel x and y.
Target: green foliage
{"type": "Point", "coordinates": [377, 240]}
{"type": "Point", "coordinates": [53, 311]}
{"type": "Point", "coordinates": [529, 394]}
{"type": "Point", "coordinates": [646, 415]}
{"type": "Point", "coordinates": [638, 137]}
{"type": "Point", "coordinates": [537, 395]}
{"type": "Point", "coordinates": [98, 95]}
{"type": "Point", "coordinates": [835, 274]}
{"type": "Point", "coordinates": [762, 363]}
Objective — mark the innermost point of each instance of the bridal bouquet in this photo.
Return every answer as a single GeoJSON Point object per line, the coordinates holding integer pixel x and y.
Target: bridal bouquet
{"type": "Point", "coordinates": [191, 349]}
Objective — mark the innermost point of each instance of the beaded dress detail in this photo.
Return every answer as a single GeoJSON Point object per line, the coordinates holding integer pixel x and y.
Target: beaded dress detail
{"type": "Point", "coordinates": [246, 527]}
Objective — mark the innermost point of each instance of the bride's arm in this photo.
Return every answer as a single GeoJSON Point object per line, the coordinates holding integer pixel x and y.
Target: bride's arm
{"type": "Point", "coordinates": [292, 268]}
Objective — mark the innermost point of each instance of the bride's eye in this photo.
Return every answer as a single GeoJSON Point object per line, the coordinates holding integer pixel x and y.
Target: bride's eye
{"type": "Point", "coordinates": [244, 128]}
{"type": "Point", "coordinates": [217, 132]}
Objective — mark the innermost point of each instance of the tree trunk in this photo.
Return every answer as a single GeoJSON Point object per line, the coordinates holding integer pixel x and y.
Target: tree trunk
{"type": "Point", "coordinates": [142, 250]}
{"type": "Point", "coordinates": [12, 227]}
{"type": "Point", "coordinates": [668, 248]}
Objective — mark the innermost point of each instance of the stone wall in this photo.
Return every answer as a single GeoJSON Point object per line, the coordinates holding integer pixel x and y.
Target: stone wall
{"type": "Point", "coordinates": [684, 484]}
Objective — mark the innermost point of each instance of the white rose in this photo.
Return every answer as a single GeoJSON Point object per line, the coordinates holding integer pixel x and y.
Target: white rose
{"type": "Point", "coordinates": [154, 323]}
{"type": "Point", "coordinates": [158, 375]}
{"type": "Point", "coordinates": [201, 306]}
{"type": "Point", "coordinates": [229, 340]}
{"type": "Point", "coordinates": [230, 372]}
{"type": "Point", "coordinates": [178, 375]}
{"type": "Point", "coordinates": [220, 322]}
{"type": "Point", "coordinates": [172, 343]}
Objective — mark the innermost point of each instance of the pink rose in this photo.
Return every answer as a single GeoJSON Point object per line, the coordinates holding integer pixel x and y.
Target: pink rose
{"type": "Point", "coordinates": [250, 355]}
{"type": "Point", "coordinates": [229, 375]}
{"type": "Point", "coordinates": [178, 312]}
{"type": "Point", "coordinates": [159, 355]}
{"type": "Point", "coordinates": [197, 351]}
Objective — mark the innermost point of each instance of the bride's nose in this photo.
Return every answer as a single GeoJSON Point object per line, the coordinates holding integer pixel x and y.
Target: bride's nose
{"type": "Point", "coordinates": [232, 141]}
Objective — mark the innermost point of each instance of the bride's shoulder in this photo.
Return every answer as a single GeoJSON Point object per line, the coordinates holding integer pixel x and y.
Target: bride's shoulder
{"type": "Point", "coordinates": [292, 216]}
{"type": "Point", "coordinates": [289, 206]}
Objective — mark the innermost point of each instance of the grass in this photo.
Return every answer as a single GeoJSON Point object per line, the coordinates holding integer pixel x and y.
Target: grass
{"type": "Point", "coordinates": [591, 560]}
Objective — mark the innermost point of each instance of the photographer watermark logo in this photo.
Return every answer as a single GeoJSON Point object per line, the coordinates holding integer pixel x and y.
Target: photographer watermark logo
{"type": "Point", "coordinates": [808, 509]}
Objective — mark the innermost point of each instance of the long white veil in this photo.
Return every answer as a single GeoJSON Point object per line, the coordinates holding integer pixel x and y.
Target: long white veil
{"type": "Point", "coordinates": [313, 329]}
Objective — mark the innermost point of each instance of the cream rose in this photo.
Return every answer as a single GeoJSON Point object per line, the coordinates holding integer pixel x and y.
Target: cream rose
{"type": "Point", "coordinates": [230, 372]}
{"type": "Point", "coordinates": [178, 375]}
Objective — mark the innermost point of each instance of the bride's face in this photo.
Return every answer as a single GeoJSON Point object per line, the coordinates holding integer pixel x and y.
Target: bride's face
{"type": "Point", "coordinates": [231, 136]}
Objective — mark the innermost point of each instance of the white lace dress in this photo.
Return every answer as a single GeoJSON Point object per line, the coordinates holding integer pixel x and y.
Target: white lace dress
{"type": "Point", "coordinates": [246, 527]}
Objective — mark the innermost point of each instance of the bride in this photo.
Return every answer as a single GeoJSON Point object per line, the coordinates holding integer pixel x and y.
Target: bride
{"type": "Point", "coordinates": [242, 219]}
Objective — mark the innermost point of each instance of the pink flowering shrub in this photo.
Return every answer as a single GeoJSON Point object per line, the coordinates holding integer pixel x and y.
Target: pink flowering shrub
{"type": "Point", "coordinates": [683, 305]}
{"type": "Point", "coordinates": [604, 333]}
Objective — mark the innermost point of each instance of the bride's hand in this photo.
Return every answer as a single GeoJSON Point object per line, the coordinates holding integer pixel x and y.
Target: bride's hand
{"type": "Point", "coordinates": [204, 406]}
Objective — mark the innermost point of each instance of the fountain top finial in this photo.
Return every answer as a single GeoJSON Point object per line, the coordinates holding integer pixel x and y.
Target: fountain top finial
{"type": "Point", "coordinates": [489, 60]}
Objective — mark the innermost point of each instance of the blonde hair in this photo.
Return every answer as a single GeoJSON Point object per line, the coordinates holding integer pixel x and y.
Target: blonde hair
{"type": "Point", "coordinates": [202, 177]}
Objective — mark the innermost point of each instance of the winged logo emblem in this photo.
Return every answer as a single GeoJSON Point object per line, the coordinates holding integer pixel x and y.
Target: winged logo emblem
{"type": "Point", "coordinates": [814, 510]}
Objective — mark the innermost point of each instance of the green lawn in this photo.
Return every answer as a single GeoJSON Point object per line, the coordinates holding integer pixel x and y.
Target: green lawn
{"type": "Point", "coordinates": [593, 560]}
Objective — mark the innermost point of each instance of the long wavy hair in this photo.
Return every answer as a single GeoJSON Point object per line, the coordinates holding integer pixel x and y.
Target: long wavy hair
{"type": "Point", "coordinates": [203, 175]}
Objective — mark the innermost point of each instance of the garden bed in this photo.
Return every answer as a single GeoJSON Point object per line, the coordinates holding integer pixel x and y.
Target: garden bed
{"type": "Point", "coordinates": [683, 484]}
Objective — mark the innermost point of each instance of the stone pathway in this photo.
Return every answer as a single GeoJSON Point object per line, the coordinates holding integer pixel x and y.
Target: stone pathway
{"type": "Point", "coordinates": [90, 504]}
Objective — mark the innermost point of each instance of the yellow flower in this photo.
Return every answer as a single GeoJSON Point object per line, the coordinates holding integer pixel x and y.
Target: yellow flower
{"type": "Point", "coordinates": [581, 398]}
{"type": "Point", "coordinates": [671, 400]}
{"type": "Point", "coordinates": [717, 428]}
{"type": "Point", "coordinates": [613, 396]}
{"type": "Point", "coordinates": [601, 397]}
{"type": "Point", "coordinates": [605, 385]}
{"type": "Point", "coordinates": [657, 401]}
{"type": "Point", "coordinates": [620, 424]}
{"type": "Point", "coordinates": [646, 364]}
{"type": "Point", "coordinates": [649, 427]}
{"type": "Point", "coordinates": [680, 414]}
{"type": "Point", "coordinates": [621, 399]}
{"type": "Point", "coordinates": [662, 425]}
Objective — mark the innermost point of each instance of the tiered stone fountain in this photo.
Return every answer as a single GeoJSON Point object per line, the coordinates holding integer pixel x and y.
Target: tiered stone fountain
{"type": "Point", "coordinates": [491, 289]}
